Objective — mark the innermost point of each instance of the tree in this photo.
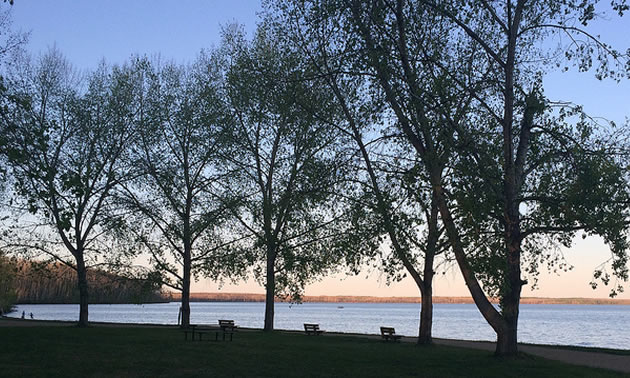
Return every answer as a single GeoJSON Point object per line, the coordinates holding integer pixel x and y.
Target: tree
{"type": "Point", "coordinates": [63, 149]}
{"type": "Point", "coordinates": [41, 282]}
{"type": "Point", "coordinates": [176, 216]}
{"type": "Point", "coordinates": [10, 41]}
{"type": "Point", "coordinates": [463, 84]}
{"type": "Point", "coordinates": [507, 145]}
{"type": "Point", "coordinates": [10, 44]}
{"type": "Point", "coordinates": [288, 164]}
{"type": "Point", "coordinates": [404, 210]}
{"type": "Point", "coordinates": [7, 284]}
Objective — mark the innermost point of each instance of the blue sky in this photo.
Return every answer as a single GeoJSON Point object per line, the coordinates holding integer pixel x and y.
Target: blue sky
{"type": "Point", "coordinates": [600, 98]}
{"type": "Point", "coordinates": [87, 31]}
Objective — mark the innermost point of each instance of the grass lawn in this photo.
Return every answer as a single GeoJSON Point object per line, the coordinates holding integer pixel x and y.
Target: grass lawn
{"type": "Point", "coordinates": [153, 352]}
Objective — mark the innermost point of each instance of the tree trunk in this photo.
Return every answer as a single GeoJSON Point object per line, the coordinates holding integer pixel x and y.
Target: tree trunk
{"type": "Point", "coordinates": [186, 290]}
{"type": "Point", "coordinates": [507, 343]}
{"type": "Point", "coordinates": [487, 310]}
{"type": "Point", "coordinates": [511, 292]}
{"type": "Point", "coordinates": [426, 314]}
{"type": "Point", "coordinates": [83, 289]}
{"type": "Point", "coordinates": [510, 297]}
{"type": "Point", "coordinates": [270, 288]}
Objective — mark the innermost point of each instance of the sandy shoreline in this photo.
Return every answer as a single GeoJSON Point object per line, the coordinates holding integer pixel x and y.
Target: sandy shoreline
{"type": "Point", "coordinates": [598, 359]}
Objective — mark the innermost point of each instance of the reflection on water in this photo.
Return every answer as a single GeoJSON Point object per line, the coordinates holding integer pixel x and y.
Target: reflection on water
{"type": "Point", "coordinates": [581, 325]}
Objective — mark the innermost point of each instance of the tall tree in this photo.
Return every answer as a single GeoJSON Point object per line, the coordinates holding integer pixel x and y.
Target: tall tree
{"type": "Point", "coordinates": [11, 43]}
{"type": "Point", "coordinates": [509, 142]}
{"type": "Point", "coordinates": [63, 149]}
{"type": "Point", "coordinates": [404, 210]}
{"type": "Point", "coordinates": [287, 163]}
{"type": "Point", "coordinates": [176, 215]}
{"type": "Point", "coordinates": [507, 146]}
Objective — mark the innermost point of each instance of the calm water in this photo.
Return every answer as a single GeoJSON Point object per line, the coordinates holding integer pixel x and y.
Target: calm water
{"type": "Point", "coordinates": [582, 325]}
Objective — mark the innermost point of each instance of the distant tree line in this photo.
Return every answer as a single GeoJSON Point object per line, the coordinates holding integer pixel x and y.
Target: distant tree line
{"type": "Point", "coordinates": [56, 283]}
{"type": "Point", "coordinates": [24, 281]}
{"type": "Point", "coordinates": [409, 136]}
{"type": "Point", "coordinates": [8, 295]}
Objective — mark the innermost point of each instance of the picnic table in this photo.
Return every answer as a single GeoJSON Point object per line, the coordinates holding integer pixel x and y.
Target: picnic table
{"type": "Point", "coordinates": [225, 328]}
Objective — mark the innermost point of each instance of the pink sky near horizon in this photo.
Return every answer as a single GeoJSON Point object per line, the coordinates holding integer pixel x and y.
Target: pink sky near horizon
{"type": "Point", "coordinates": [572, 284]}
{"type": "Point", "coordinates": [87, 31]}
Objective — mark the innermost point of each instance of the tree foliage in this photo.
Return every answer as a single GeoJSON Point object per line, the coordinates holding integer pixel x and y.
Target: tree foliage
{"type": "Point", "coordinates": [463, 82]}
{"type": "Point", "coordinates": [41, 282]}
{"type": "Point", "coordinates": [287, 165]}
{"type": "Point", "coordinates": [178, 215]}
{"type": "Point", "coordinates": [64, 146]}
{"type": "Point", "coordinates": [391, 199]}
{"type": "Point", "coordinates": [8, 292]}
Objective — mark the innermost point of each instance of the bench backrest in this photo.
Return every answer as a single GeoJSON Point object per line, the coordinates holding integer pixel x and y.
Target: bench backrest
{"type": "Point", "coordinates": [311, 327]}
{"type": "Point", "coordinates": [388, 331]}
{"type": "Point", "coordinates": [227, 325]}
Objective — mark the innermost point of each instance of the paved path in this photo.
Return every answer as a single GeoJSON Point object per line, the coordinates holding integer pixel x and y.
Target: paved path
{"type": "Point", "coordinates": [610, 361]}
{"type": "Point", "coordinates": [576, 357]}
{"type": "Point", "coordinates": [600, 360]}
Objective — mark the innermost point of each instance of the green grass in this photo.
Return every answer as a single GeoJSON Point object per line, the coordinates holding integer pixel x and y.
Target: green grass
{"type": "Point", "coordinates": [154, 352]}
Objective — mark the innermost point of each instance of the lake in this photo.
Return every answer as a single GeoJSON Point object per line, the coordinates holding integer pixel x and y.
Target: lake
{"type": "Point", "coordinates": [581, 325]}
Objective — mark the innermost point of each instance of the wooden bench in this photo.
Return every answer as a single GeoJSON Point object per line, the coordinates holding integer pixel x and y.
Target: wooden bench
{"type": "Point", "coordinates": [312, 329]}
{"type": "Point", "coordinates": [226, 323]}
{"type": "Point", "coordinates": [389, 333]}
{"type": "Point", "coordinates": [227, 327]}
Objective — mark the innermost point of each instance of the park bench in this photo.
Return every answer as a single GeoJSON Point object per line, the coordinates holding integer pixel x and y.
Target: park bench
{"type": "Point", "coordinates": [227, 328]}
{"type": "Point", "coordinates": [312, 329]}
{"type": "Point", "coordinates": [389, 333]}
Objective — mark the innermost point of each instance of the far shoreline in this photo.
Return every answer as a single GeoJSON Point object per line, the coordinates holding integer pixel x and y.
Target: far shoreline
{"type": "Point", "coordinates": [255, 297]}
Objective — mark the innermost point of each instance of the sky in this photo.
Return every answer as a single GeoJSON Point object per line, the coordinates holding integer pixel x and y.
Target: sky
{"type": "Point", "coordinates": [88, 31]}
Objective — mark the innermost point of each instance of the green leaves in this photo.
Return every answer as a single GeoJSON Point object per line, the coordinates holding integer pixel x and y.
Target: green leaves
{"type": "Point", "coordinates": [178, 206]}
{"type": "Point", "coordinates": [63, 149]}
{"type": "Point", "coordinates": [286, 160]}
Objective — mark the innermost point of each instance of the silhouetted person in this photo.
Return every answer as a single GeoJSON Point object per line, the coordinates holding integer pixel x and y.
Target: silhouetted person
{"type": "Point", "coordinates": [31, 315]}
{"type": "Point", "coordinates": [23, 313]}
